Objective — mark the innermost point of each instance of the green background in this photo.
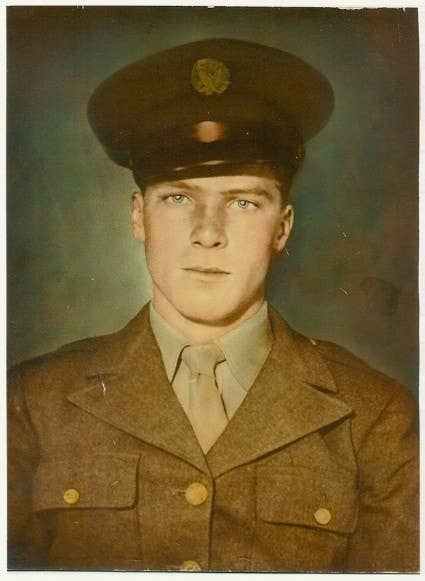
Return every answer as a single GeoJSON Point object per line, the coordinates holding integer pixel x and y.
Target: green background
{"type": "Point", "coordinates": [74, 269]}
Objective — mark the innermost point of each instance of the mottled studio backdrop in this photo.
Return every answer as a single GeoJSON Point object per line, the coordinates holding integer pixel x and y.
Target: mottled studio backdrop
{"type": "Point", "coordinates": [351, 272]}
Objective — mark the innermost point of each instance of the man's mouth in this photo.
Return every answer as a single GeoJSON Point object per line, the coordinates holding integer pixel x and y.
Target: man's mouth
{"type": "Point", "coordinates": [206, 269]}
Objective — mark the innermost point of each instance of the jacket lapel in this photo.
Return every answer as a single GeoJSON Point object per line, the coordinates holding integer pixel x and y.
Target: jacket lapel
{"type": "Point", "coordinates": [135, 396]}
{"type": "Point", "coordinates": [282, 406]}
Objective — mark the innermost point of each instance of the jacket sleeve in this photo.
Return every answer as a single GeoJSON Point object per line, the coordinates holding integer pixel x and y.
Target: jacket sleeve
{"type": "Point", "coordinates": [27, 535]}
{"type": "Point", "coordinates": [387, 535]}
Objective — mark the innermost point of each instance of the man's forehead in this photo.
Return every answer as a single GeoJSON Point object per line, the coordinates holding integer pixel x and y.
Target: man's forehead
{"type": "Point", "coordinates": [220, 184]}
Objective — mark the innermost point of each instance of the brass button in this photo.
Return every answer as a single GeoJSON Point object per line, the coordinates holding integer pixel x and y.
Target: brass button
{"type": "Point", "coordinates": [322, 516]}
{"type": "Point", "coordinates": [190, 566]}
{"type": "Point", "coordinates": [71, 496]}
{"type": "Point", "coordinates": [196, 493]}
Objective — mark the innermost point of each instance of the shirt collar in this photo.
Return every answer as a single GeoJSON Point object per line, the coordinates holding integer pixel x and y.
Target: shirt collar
{"type": "Point", "coordinates": [246, 348]}
{"type": "Point", "coordinates": [169, 340]}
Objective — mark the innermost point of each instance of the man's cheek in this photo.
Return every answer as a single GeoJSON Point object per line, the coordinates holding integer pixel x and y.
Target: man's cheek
{"type": "Point", "coordinates": [259, 248]}
{"type": "Point", "coordinates": [158, 246]}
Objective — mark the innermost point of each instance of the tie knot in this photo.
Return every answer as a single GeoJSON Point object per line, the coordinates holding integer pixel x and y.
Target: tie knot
{"type": "Point", "coordinates": [203, 358]}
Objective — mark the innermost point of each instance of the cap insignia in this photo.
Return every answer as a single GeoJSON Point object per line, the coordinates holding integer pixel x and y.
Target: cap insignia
{"type": "Point", "coordinates": [210, 76]}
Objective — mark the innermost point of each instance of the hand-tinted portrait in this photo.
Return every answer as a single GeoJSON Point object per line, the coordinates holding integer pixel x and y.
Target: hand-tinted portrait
{"type": "Point", "coordinates": [212, 289]}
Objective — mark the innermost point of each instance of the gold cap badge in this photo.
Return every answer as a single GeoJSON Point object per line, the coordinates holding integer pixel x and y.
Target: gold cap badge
{"type": "Point", "coordinates": [210, 77]}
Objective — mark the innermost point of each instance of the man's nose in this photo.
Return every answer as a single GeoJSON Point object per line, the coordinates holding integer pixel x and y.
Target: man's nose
{"type": "Point", "coordinates": [209, 228]}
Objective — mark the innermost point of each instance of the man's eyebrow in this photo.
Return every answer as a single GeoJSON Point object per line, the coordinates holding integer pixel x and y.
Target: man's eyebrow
{"type": "Point", "coordinates": [182, 185]}
{"type": "Point", "coordinates": [249, 191]}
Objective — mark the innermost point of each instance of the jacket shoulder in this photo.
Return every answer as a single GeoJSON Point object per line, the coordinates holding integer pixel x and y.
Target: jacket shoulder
{"type": "Point", "coordinates": [359, 382]}
{"type": "Point", "coordinates": [58, 369]}
{"type": "Point", "coordinates": [355, 381]}
{"type": "Point", "coordinates": [334, 353]}
{"type": "Point", "coordinates": [66, 355]}
{"type": "Point", "coordinates": [101, 351]}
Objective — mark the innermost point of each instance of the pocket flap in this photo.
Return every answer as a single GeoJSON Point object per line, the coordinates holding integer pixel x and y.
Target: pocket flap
{"type": "Point", "coordinates": [301, 497]}
{"type": "Point", "coordinates": [98, 481]}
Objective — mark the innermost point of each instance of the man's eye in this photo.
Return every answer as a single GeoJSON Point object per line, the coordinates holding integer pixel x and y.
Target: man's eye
{"type": "Point", "coordinates": [245, 204]}
{"type": "Point", "coordinates": [177, 199]}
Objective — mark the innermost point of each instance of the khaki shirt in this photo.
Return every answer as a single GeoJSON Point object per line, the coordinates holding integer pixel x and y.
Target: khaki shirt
{"type": "Point", "coordinates": [246, 349]}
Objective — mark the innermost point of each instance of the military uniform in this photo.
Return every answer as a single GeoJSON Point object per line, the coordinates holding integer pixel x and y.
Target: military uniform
{"type": "Point", "coordinates": [316, 469]}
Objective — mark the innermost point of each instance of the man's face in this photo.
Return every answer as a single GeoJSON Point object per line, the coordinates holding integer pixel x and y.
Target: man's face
{"type": "Point", "coordinates": [209, 243]}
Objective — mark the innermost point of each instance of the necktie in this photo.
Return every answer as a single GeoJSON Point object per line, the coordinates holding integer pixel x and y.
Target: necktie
{"type": "Point", "coordinates": [206, 411]}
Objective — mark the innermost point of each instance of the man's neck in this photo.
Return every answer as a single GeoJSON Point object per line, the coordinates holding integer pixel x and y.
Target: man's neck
{"type": "Point", "coordinates": [201, 332]}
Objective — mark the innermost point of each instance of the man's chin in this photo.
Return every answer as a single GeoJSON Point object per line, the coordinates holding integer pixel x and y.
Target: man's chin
{"type": "Point", "coordinates": [204, 315]}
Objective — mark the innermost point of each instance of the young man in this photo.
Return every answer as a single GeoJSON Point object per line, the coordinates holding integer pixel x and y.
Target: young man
{"type": "Point", "coordinates": [208, 435]}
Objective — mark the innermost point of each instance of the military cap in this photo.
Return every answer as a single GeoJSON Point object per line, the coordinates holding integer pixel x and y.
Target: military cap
{"type": "Point", "coordinates": [212, 107]}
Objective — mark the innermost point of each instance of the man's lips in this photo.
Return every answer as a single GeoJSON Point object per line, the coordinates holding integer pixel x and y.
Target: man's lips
{"type": "Point", "coordinates": [206, 269]}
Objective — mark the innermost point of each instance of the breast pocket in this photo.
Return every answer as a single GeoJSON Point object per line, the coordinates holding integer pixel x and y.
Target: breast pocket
{"type": "Point", "coordinates": [304, 518]}
{"type": "Point", "coordinates": [91, 503]}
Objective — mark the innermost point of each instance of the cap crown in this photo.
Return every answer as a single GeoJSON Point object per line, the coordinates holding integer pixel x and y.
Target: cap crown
{"type": "Point", "coordinates": [160, 101]}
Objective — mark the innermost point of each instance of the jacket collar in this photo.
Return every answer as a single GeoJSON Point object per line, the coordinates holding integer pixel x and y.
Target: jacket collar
{"type": "Point", "coordinates": [283, 405]}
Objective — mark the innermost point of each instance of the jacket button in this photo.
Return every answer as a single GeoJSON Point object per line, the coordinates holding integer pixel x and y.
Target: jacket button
{"type": "Point", "coordinates": [190, 566]}
{"type": "Point", "coordinates": [71, 496]}
{"type": "Point", "coordinates": [322, 516]}
{"type": "Point", "coordinates": [196, 493]}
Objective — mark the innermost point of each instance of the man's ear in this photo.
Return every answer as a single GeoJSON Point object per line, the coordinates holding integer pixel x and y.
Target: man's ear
{"type": "Point", "coordinates": [284, 227]}
{"type": "Point", "coordinates": [137, 212]}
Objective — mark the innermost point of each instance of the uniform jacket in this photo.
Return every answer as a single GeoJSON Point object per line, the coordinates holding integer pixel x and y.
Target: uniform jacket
{"type": "Point", "coordinates": [316, 471]}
